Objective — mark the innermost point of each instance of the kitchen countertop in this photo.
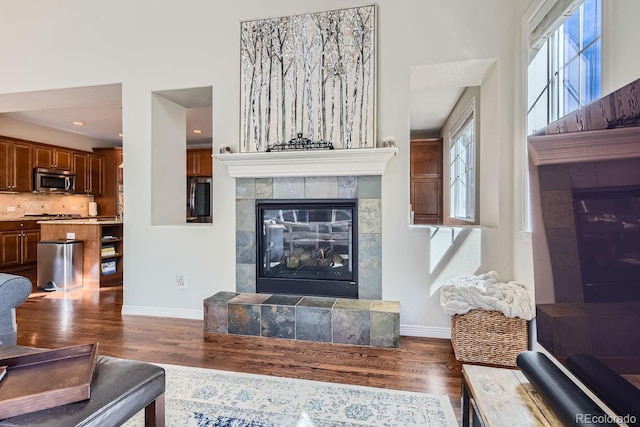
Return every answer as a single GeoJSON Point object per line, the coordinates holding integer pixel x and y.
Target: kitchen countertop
{"type": "Point", "coordinates": [82, 221]}
{"type": "Point", "coordinates": [47, 218]}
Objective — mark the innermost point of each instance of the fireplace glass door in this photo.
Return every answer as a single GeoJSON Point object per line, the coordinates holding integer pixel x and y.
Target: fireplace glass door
{"type": "Point", "coordinates": [307, 247]}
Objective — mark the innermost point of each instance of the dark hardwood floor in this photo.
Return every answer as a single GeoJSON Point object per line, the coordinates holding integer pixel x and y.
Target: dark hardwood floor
{"type": "Point", "coordinates": [57, 319]}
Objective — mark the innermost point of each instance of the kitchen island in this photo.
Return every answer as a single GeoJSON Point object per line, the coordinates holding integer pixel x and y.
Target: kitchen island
{"type": "Point", "coordinates": [102, 241]}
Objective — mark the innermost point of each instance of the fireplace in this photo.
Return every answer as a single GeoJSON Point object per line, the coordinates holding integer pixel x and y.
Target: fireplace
{"type": "Point", "coordinates": [307, 247]}
{"type": "Point", "coordinates": [608, 236]}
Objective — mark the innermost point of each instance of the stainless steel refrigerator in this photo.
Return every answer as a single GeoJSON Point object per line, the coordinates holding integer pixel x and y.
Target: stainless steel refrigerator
{"type": "Point", "coordinates": [199, 199]}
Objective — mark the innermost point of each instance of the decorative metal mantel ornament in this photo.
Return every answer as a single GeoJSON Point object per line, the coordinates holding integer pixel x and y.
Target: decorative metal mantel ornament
{"type": "Point", "coordinates": [300, 143]}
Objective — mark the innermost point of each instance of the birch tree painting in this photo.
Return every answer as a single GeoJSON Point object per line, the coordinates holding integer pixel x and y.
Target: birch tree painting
{"type": "Point", "coordinates": [313, 74]}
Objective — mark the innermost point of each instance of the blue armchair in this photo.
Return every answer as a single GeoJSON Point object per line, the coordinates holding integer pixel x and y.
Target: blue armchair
{"type": "Point", "coordinates": [14, 290]}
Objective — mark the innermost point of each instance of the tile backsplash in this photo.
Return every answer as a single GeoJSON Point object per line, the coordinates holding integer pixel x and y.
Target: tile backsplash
{"type": "Point", "coordinates": [17, 205]}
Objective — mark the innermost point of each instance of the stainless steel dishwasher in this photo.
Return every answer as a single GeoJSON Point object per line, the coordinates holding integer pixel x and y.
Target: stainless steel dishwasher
{"type": "Point", "coordinates": [60, 265]}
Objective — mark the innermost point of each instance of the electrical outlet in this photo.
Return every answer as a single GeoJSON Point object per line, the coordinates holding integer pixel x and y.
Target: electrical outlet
{"type": "Point", "coordinates": [181, 280]}
{"type": "Point", "coordinates": [11, 208]}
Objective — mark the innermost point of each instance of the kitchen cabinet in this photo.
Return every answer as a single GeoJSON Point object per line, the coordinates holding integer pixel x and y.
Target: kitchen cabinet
{"type": "Point", "coordinates": [51, 157]}
{"type": "Point", "coordinates": [110, 200]}
{"type": "Point", "coordinates": [96, 236]}
{"type": "Point", "coordinates": [426, 181]}
{"type": "Point", "coordinates": [18, 243]}
{"type": "Point", "coordinates": [88, 168]}
{"type": "Point", "coordinates": [199, 162]}
{"type": "Point", "coordinates": [80, 169]}
{"type": "Point", "coordinates": [16, 172]}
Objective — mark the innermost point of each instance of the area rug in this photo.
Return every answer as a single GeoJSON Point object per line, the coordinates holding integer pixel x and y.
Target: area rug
{"type": "Point", "coordinates": [211, 398]}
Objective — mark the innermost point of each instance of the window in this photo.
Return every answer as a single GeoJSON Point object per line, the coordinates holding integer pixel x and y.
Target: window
{"type": "Point", "coordinates": [462, 155]}
{"type": "Point", "coordinates": [565, 74]}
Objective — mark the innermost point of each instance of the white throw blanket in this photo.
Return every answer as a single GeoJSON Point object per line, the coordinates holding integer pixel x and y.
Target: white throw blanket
{"type": "Point", "coordinates": [463, 293]}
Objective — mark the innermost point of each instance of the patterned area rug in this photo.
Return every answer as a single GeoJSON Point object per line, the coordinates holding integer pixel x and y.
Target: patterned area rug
{"type": "Point", "coordinates": [212, 398]}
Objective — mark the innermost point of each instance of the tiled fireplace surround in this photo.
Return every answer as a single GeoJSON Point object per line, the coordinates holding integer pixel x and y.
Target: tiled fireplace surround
{"type": "Point", "coordinates": [365, 321]}
{"type": "Point", "coordinates": [566, 159]}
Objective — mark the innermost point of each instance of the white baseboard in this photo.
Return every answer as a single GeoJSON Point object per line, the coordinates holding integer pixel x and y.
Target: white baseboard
{"type": "Point", "coordinates": [136, 310]}
{"type": "Point", "coordinates": [425, 331]}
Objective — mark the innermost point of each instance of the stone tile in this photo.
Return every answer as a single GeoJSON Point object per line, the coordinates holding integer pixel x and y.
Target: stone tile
{"type": "Point", "coordinates": [385, 329]}
{"type": "Point", "coordinates": [347, 187]}
{"type": "Point", "coordinates": [278, 321]}
{"type": "Point", "coordinates": [288, 188]}
{"type": "Point", "coordinates": [352, 327]}
{"type": "Point", "coordinates": [216, 312]}
{"type": "Point", "coordinates": [618, 172]}
{"type": "Point", "coordinates": [352, 304]}
{"type": "Point", "coordinates": [369, 250]}
{"type": "Point", "coordinates": [264, 188]}
{"type": "Point", "coordinates": [245, 247]}
{"type": "Point", "coordinates": [369, 216]}
{"type": "Point", "coordinates": [246, 215]}
{"type": "Point", "coordinates": [246, 277]}
{"type": "Point", "coordinates": [313, 323]}
{"type": "Point", "coordinates": [370, 283]}
{"type": "Point", "coordinates": [583, 175]}
{"type": "Point", "coordinates": [369, 187]}
{"type": "Point", "coordinates": [222, 296]}
{"type": "Point", "coordinates": [244, 319]}
{"type": "Point", "coordinates": [320, 302]}
{"type": "Point", "coordinates": [554, 177]}
{"type": "Point", "coordinates": [249, 298]}
{"type": "Point", "coordinates": [245, 188]}
{"type": "Point", "coordinates": [563, 334]}
{"type": "Point", "coordinates": [557, 209]}
{"type": "Point", "coordinates": [385, 306]}
{"type": "Point", "coordinates": [323, 187]}
{"type": "Point", "coordinates": [283, 300]}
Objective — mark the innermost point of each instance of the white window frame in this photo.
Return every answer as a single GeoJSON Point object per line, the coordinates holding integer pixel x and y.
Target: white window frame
{"type": "Point", "coordinates": [463, 168]}
{"type": "Point", "coordinates": [532, 47]}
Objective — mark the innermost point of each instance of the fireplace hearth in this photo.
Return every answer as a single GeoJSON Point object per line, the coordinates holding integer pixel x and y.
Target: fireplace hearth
{"type": "Point", "coordinates": [307, 247]}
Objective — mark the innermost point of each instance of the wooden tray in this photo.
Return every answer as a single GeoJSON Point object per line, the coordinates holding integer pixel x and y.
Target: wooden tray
{"type": "Point", "coordinates": [46, 379]}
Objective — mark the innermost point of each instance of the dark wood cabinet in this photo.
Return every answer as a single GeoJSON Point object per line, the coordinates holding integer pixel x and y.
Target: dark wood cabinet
{"type": "Point", "coordinates": [426, 181]}
{"type": "Point", "coordinates": [89, 169]}
{"type": "Point", "coordinates": [18, 243]}
{"type": "Point", "coordinates": [199, 162]}
{"type": "Point", "coordinates": [16, 171]}
{"type": "Point", "coordinates": [10, 241]}
{"type": "Point", "coordinates": [80, 169]}
{"type": "Point", "coordinates": [95, 174]}
{"type": "Point", "coordinates": [51, 157]}
{"type": "Point", "coordinates": [110, 198]}
{"type": "Point", "coordinates": [102, 249]}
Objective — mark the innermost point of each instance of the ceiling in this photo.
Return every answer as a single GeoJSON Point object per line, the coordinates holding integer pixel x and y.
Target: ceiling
{"type": "Point", "coordinates": [434, 91]}
{"type": "Point", "coordinates": [99, 108]}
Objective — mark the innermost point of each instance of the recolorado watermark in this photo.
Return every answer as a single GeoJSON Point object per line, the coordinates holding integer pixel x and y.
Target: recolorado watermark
{"type": "Point", "coordinates": [605, 419]}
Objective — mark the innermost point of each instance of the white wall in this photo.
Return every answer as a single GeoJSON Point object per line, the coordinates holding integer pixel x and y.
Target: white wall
{"type": "Point", "coordinates": [154, 46]}
{"type": "Point", "coordinates": [621, 64]}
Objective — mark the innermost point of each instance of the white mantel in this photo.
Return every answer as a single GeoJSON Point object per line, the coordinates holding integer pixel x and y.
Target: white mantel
{"type": "Point", "coordinates": [585, 146]}
{"type": "Point", "coordinates": [339, 162]}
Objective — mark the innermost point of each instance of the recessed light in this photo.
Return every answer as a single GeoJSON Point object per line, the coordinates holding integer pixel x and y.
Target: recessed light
{"type": "Point", "coordinates": [77, 123]}
{"type": "Point", "coordinates": [198, 131]}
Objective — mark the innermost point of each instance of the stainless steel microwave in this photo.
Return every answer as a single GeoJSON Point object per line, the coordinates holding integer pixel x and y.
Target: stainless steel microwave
{"type": "Point", "coordinates": [53, 181]}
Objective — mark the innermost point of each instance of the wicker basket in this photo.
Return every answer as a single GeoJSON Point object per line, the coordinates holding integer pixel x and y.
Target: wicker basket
{"type": "Point", "coordinates": [488, 337]}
